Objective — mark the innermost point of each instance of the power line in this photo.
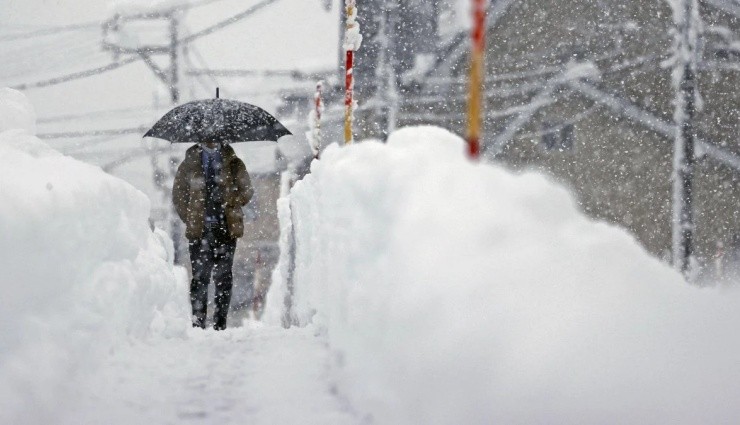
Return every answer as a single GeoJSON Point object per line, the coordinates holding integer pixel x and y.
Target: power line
{"type": "Point", "coordinates": [111, 132]}
{"type": "Point", "coordinates": [49, 58]}
{"type": "Point", "coordinates": [77, 75]}
{"type": "Point", "coordinates": [50, 31]}
{"type": "Point", "coordinates": [295, 74]}
{"type": "Point", "coordinates": [124, 159]}
{"type": "Point", "coordinates": [164, 12]}
{"type": "Point", "coordinates": [193, 48]}
{"type": "Point", "coordinates": [25, 51]}
{"type": "Point", "coordinates": [199, 78]}
{"type": "Point", "coordinates": [79, 146]}
{"type": "Point", "coordinates": [227, 22]}
{"type": "Point", "coordinates": [116, 112]}
{"type": "Point", "coordinates": [201, 3]}
{"type": "Point", "coordinates": [115, 65]}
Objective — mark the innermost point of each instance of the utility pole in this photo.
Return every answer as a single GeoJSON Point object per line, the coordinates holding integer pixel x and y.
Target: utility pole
{"type": "Point", "coordinates": [175, 226]}
{"type": "Point", "coordinates": [170, 77]}
{"type": "Point", "coordinates": [686, 17]}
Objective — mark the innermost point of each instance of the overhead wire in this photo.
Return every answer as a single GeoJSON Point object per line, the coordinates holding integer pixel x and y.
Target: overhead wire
{"type": "Point", "coordinates": [85, 144]}
{"type": "Point", "coordinates": [192, 49]}
{"type": "Point", "coordinates": [106, 132]}
{"type": "Point", "coordinates": [50, 31]}
{"type": "Point", "coordinates": [226, 22]}
{"type": "Point", "coordinates": [203, 63]}
{"type": "Point", "coordinates": [199, 78]}
{"type": "Point", "coordinates": [201, 3]}
{"type": "Point", "coordinates": [69, 51]}
{"type": "Point", "coordinates": [64, 53]}
{"type": "Point", "coordinates": [97, 114]}
{"type": "Point", "coordinates": [40, 51]}
{"type": "Point", "coordinates": [114, 65]}
{"type": "Point", "coordinates": [130, 156]}
{"type": "Point", "coordinates": [77, 75]}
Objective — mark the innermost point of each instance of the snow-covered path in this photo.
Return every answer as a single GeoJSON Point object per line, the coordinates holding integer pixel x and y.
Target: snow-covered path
{"type": "Point", "coordinates": [249, 375]}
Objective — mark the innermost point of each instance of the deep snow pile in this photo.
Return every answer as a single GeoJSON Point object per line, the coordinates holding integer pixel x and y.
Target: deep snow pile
{"type": "Point", "coordinates": [454, 292]}
{"type": "Point", "coordinates": [80, 269]}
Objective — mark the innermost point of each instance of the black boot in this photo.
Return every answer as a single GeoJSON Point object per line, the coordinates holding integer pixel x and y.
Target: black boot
{"type": "Point", "coordinates": [199, 321]}
{"type": "Point", "coordinates": [219, 323]}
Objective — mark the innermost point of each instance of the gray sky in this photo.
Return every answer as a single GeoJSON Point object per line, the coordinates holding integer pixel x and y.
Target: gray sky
{"type": "Point", "coordinates": [289, 34]}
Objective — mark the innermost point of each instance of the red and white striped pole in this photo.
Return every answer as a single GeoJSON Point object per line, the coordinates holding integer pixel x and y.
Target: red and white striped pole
{"type": "Point", "coordinates": [352, 41]}
{"type": "Point", "coordinates": [477, 69]}
{"type": "Point", "coordinates": [349, 87]}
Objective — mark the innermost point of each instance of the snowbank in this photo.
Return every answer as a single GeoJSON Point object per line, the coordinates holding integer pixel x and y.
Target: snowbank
{"type": "Point", "coordinates": [460, 293]}
{"type": "Point", "coordinates": [16, 111]}
{"type": "Point", "coordinates": [81, 269]}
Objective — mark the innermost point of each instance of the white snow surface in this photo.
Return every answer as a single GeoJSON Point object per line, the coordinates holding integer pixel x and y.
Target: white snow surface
{"type": "Point", "coordinates": [81, 270]}
{"type": "Point", "coordinates": [96, 318]}
{"type": "Point", "coordinates": [16, 111]}
{"type": "Point", "coordinates": [254, 374]}
{"type": "Point", "coordinates": [453, 292]}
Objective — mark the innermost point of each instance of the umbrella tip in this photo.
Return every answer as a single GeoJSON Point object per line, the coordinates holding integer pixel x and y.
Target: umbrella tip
{"type": "Point", "coordinates": [217, 94]}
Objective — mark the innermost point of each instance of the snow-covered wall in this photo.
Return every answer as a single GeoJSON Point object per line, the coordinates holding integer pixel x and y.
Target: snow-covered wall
{"type": "Point", "coordinates": [460, 293]}
{"type": "Point", "coordinates": [80, 269]}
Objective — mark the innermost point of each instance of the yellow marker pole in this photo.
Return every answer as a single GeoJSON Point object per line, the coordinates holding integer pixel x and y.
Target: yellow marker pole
{"type": "Point", "coordinates": [477, 69]}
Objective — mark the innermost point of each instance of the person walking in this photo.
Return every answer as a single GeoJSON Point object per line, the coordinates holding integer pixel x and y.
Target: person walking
{"type": "Point", "coordinates": [211, 187]}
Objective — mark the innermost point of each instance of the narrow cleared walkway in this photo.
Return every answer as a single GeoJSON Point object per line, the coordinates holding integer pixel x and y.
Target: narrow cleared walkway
{"type": "Point", "coordinates": [248, 375]}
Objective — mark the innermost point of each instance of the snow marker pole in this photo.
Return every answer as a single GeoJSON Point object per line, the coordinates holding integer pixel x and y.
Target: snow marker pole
{"type": "Point", "coordinates": [475, 104]}
{"type": "Point", "coordinates": [315, 133]}
{"type": "Point", "coordinates": [352, 41]}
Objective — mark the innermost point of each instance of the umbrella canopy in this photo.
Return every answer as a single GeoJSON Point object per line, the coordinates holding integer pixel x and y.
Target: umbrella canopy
{"type": "Point", "coordinates": [217, 120]}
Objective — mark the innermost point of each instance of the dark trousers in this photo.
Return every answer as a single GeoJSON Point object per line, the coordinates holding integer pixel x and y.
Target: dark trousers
{"type": "Point", "coordinates": [213, 254]}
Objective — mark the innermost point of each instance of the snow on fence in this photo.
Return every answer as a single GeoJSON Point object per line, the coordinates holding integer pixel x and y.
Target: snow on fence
{"type": "Point", "coordinates": [453, 292]}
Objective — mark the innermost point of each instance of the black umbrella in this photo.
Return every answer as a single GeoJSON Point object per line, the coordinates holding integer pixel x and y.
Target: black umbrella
{"type": "Point", "coordinates": [217, 120]}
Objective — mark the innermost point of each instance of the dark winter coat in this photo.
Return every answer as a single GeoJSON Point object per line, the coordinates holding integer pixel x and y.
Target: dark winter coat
{"type": "Point", "coordinates": [189, 192]}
